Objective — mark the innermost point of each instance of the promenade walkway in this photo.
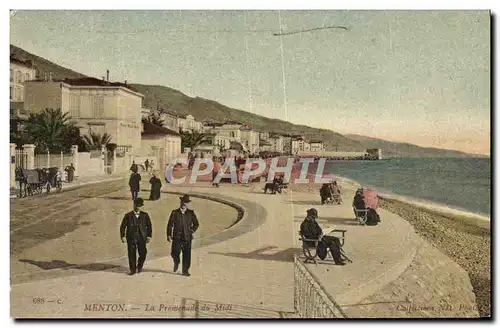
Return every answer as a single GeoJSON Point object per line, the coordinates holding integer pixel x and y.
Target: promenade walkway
{"type": "Point", "coordinates": [250, 275]}
{"type": "Point", "coordinates": [81, 181]}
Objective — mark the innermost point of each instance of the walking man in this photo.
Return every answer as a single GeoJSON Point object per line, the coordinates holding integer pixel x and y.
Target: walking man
{"type": "Point", "coordinates": [136, 230]}
{"type": "Point", "coordinates": [134, 184]}
{"type": "Point", "coordinates": [146, 164]}
{"type": "Point", "coordinates": [180, 228]}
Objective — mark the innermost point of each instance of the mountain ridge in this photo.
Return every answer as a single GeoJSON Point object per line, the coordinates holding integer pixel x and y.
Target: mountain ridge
{"type": "Point", "coordinates": [207, 109]}
{"type": "Point", "coordinates": [405, 149]}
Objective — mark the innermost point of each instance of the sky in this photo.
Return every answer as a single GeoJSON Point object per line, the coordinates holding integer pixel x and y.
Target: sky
{"type": "Point", "coordinates": [421, 77]}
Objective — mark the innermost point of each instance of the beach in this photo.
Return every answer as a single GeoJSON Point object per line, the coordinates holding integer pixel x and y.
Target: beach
{"type": "Point", "coordinates": [460, 238]}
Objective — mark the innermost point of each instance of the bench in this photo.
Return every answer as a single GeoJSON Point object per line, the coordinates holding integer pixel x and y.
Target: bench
{"type": "Point", "coordinates": [361, 215]}
{"type": "Point", "coordinates": [311, 250]}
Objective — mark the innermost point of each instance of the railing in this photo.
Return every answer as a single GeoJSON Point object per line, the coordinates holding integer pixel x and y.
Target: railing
{"type": "Point", "coordinates": [310, 300]}
{"type": "Point", "coordinates": [21, 159]}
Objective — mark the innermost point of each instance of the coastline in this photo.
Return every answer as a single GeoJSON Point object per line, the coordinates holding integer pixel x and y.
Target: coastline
{"type": "Point", "coordinates": [462, 236]}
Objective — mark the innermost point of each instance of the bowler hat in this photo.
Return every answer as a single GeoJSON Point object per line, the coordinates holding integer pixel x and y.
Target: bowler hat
{"type": "Point", "coordinates": [185, 199]}
{"type": "Point", "coordinates": [312, 212]}
{"type": "Point", "coordinates": [139, 202]}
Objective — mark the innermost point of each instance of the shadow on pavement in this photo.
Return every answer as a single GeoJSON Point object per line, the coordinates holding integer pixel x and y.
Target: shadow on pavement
{"type": "Point", "coordinates": [304, 202]}
{"type": "Point", "coordinates": [59, 264]}
{"type": "Point", "coordinates": [282, 256]}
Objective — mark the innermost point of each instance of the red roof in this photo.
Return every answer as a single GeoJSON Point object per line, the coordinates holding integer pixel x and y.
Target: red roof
{"type": "Point", "coordinates": [153, 129]}
{"type": "Point", "coordinates": [92, 81]}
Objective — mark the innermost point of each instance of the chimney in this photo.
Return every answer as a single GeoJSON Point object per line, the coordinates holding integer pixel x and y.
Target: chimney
{"type": "Point", "coordinates": [107, 75]}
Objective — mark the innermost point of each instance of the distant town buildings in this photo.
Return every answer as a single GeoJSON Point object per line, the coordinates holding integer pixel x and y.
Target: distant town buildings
{"type": "Point", "coordinates": [188, 123]}
{"type": "Point", "coordinates": [20, 72]}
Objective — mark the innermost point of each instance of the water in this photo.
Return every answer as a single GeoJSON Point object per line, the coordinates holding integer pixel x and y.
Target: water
{"type": "Point", "coordinates": [460, 183]}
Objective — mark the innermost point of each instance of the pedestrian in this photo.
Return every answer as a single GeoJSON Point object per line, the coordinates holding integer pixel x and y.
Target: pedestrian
{"type": "Point", "coordinates": [182, 223]}
{"type": "Point", "coordinates": [146, 165]}
{"type": "Point", "coordinates": [70, 170]}
{"type": "Point", "coordinates": [134, 184]}
{"type": "Point", "coordinates": [133, 167]}
{"type": "Point", "coordinates": [215, 172]}
{"type": "Point", "coordinates": [151, 165]}
{"type": "Point", "coordinates": [155, 188]}
{"type": "Point", "coordinates": [136, 230]}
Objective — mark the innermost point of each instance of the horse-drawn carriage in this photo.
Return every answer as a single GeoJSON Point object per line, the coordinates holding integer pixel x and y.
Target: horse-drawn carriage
{"type": "Point", "coordinates": [33, 182]}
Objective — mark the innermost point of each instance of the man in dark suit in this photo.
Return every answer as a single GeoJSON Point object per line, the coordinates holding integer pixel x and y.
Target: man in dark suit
{"type": "Point", "coordinates": [134, 184]}
{"type": "Point", "coordinates": [136, 230]}
{"type": "Point", "coordinates": [310, 229]}
{"type": "Point", "coordinates": [180, 228]}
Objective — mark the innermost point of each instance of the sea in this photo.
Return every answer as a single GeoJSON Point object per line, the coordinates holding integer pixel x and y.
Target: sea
{"type": "Point", "coordinates": [458, 183]}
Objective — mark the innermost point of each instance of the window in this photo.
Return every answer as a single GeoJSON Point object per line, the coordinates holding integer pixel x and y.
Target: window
{"type": "Point", "coordinates": [20, 93]}
{"type": "Point", "coordinates": [74, 106]}
{"type": "Point", "coordinates": [97, 103]}
{"type": "Point", "coordinates": [11, 75]}
{"type": "Point", "coordinates": [11, 93]}
{"type": "Point", "coordinates": [232, 134]}
{"type": "Point", "coordinates": [27, 77]}
{"type": "Point", "coordinates": [19, 77]}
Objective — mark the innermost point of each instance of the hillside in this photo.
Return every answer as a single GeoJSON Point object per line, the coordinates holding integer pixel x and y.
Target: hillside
{"type": "Point", "coordinates": [44, 66]}
{"type": "Point", "coordinates": [401, 149]}
{"type": "Point", "coordinates": [205, 109]}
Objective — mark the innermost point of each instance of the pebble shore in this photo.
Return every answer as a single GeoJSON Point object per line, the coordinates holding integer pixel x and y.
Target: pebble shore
{"type": "Point", "coordinates": [467, 244]}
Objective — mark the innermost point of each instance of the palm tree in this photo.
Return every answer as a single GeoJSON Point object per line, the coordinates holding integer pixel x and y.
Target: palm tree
{"type": "Point", "coordinates": [156, 119]}
{"type": "Point", "coordinates": [96, 141]}
{"type": "Point", "coordinates": [191, 139]}
{"type": "Point", "coordinates": [50, 130]}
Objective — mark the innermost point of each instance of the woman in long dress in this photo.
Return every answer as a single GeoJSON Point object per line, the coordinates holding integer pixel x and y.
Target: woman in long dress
{"type": "Point", "coordinates": [155, 188]}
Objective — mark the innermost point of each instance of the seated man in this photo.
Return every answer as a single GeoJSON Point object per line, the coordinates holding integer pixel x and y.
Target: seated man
{"type": "Point", "coordinates": [325, 193]}
{"type": "Point", "coordinates": [335, 188]}
{"type": "Point", "coordinates": [310, 229]}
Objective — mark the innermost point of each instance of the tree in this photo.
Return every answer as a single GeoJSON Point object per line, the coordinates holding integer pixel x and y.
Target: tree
{"type": "Point", "coordinates": [155, 119]}
{"type": "Point", "coordinates": [191, 139]}
{"type": "Point", "coordinates": [96, 141]}
{"type": "Point", "coordinates": [51, 131]}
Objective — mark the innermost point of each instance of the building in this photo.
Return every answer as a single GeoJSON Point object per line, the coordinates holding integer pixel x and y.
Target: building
{"type": "Point", "coordinates": [316, 146]}
{"type": "Point", "coordinates": [95, 106]}
{"type": "Point", "coordinates": [250, 139]}
{"type": "Point", "coordinates": [375, 153]}
{"type": "Point", "coordinates": [276, 141]}
{"type": "Point", "coordinates": [266, 146]}
{"type": "Point", "coordinates": [146, 112]}
{"type": "Point", "coordinates": [287, 144]}
{"type": "Point", "coordinates": [188, 123]}
{"type": "Point", "coordinates": [299, 144]}
{"type": "Point", "coordinates": [20, 72]}
{"type": "Point", "coordinates": [159, 142]}
{"type": "Point", "coordinates": [171, 120]}
{"type": "Point", "coordinates": [264, 135]}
